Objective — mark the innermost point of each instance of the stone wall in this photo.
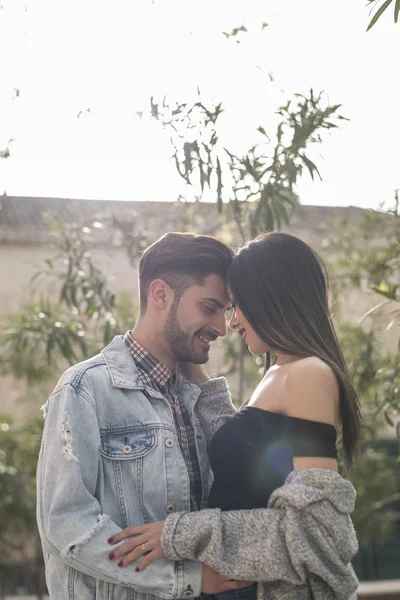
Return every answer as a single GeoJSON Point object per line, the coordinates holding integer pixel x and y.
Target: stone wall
{"type": "Point", "coordinates": [21, 256]}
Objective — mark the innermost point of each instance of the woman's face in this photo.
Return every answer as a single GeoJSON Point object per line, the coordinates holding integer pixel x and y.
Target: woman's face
{"type": "Point", "coordinates": [239, 323]}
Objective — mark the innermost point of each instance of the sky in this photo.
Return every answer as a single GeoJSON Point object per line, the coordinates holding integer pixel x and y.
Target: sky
{"type": "Point", "coordinates": [67, 56]}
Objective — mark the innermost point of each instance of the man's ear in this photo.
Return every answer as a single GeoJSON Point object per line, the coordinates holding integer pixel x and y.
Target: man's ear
{"type": "Point", "coordinates": [160, 294]}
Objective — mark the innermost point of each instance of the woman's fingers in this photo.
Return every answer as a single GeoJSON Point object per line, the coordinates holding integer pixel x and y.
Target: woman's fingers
{"type": "Point", "coordinates": [127, 533]}
{"type": "Point", "coordinates": [139, 545]}
{"type": "Point", "coordinates": [156, 553]}
{"type": "Point", "coordinates": [137, 542]}
{"type": "Point", "coordinates": [134, 555]}
{"type": "Point", "coordinates": [150, 528]}
{"type": "Point", "coordinates": [150, 550]}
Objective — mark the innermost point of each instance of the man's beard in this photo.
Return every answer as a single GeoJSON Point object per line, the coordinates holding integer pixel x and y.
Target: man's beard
{"type": "Point", "coordinates": [181, 343]}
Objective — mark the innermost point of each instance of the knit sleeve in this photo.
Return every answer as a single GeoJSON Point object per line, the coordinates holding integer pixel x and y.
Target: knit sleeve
{"type": "Point", "coordinates": [214, 405]}
{"type": "Point", "coordinates": [311, 536]}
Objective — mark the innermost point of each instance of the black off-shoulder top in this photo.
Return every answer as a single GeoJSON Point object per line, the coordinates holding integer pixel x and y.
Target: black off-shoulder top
{"type": "Point", "coordinates": [252, 454]}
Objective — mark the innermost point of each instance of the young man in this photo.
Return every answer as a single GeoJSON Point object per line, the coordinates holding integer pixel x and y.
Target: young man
{"type": "Point", "coordinates": [125, 439]}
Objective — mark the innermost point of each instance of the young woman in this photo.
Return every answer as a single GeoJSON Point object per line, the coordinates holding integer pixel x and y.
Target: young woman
{"type": "Point", "coordinates": [280, 448]}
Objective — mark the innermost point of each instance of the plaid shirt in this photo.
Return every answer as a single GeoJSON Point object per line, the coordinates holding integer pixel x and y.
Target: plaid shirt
{"type": "Point", "coordinates": [154, 374]}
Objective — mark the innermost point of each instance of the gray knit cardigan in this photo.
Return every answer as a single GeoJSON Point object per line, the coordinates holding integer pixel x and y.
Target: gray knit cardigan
{"type": "Point", "coordinates": [299, 548]}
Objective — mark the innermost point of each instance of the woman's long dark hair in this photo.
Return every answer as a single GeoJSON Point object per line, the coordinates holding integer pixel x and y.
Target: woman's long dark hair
{"type": "Point", "coordinates": [280, 285]}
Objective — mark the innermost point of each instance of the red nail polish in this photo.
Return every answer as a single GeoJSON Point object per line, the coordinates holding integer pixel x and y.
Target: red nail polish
{"type": "Point", "coordinates": [137, 569]}
{"type": "Point", "coordinates": [121, 563]}
{"type": "Point", "coordinates": [112, 556]}
{"type": "Point", "coordinates": [110, 541]}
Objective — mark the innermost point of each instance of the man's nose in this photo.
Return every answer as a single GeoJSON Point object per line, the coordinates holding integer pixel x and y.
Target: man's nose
{"type": "Point", "coordinates": [233, 322]}
{"type": "Point", "coordinates": [220, 325]}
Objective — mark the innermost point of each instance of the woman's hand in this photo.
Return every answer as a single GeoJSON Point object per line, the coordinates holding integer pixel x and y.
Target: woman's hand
{"type": "Point", "coordinates": [144, 540]}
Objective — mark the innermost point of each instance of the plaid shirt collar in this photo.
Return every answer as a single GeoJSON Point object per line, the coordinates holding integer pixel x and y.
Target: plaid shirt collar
{"type": "Point", "coordinates": [153, 368]}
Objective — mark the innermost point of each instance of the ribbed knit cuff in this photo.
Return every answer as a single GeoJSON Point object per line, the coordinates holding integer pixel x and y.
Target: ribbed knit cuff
{"type": "Point", "coordinates": [167, 535]}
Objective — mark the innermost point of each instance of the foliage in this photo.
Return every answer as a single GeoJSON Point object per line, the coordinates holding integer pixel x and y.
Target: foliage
{"type": "Point", "coordinates": [75, 273]}
{"type": "Point", "coordinates": [36, 343]}
{"type": "Point", "coordinates": [19, 447]}
{"type": "Point", "coordinates": [376, 479]}
{"type": "Point", "coordinates": [383, 5]}
{"type": "Point", "coordinates": [45, 334]}
{"type": "Point", "coordinates": [136, 233]}
{"type": "Point", "coordinates": [18, 454]}
{"type": "Point", "coordinates": [260, 185]}
{"type": "Point", "coordinates": [376, 474]}
{"type": "Point", "coordinates": [41, 330]}
{"type": "Point", "coordinates": [368, 365]}
{"type": "Point", "coordinates": [83, 286]}
{"type": "Point", "coordinates": [368, 257]}
{"type": "Point", "coordinates": [369, 252]}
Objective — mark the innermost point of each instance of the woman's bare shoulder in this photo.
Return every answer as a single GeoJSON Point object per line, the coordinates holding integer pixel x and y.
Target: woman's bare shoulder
{"type": "Point", "coordinates": [311, 391]}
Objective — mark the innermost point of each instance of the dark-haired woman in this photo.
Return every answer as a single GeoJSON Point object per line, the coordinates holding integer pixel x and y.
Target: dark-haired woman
{"type": "Point", "coordinates": [280, 448]}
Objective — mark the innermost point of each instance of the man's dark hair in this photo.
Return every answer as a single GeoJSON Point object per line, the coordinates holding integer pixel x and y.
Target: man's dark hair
{"type": "Point", "coordinates": [181, 260]}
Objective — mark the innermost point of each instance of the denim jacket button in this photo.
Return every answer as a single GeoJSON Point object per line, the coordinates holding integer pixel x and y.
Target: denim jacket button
{"type": "Point", "coordinates": [188, 591]}
{"type": "Point", "coordinates": [127, 449]}
{"type": "Point", "coordinates": [169, 443]}
{"type": "Point", "coordinates": [170, 508]}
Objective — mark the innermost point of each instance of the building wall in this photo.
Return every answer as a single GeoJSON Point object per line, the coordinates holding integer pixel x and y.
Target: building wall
{"type": "Point", "coordinates": [19, 262]}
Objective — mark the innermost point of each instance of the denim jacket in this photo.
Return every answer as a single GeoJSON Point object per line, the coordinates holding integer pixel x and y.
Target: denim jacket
{"type": "Point", "coordinates": [110, 459]}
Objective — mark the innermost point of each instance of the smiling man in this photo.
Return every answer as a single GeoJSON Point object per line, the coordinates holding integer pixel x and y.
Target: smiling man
{"type": "Point", "coordinates": [126, 435]}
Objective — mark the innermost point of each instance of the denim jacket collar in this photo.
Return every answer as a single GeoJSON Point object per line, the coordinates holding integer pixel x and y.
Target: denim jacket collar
{"type": "Point", "coordinates": [124, 373]}
{"type": "Point", "coordinates": [121, 366]}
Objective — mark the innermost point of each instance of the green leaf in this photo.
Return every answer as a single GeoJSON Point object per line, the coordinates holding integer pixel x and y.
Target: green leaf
{"type": "Point", "coordinates": [154, 109]}
{"type": "Point", "coordinates": [386, 291]}
{"type": "Point", "coordinates": [379, 13]}
{"type": "Point", "coordinates": [310, 166]}
{"type": "Point", "coordinates": [202, 175]}
{"type": "Point", "coordinates": [219, 186]}
{"type": "Point", "coordinates": [383, 288]}
{"type": "Point", "coordinates": [262, 130]}
{"type": "Point", "coordinates": [396, 11]}
{"type": "Point", "coordinates": [332, 109]}
{"type": "Point", "coordinates": [63, 293]}
{"type": "Point", "coordinates": [388, 419]}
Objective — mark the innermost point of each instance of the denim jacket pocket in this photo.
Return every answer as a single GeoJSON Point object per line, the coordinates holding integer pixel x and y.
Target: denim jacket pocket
{"type": "Point", "coordinates": [127, 443]}
{"type": "Point", "coordinates": [128, 455]}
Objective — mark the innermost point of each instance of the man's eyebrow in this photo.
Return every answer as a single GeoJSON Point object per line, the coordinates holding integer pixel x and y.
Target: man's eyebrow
{"type": "Point", "coordinates": [215, 301]}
